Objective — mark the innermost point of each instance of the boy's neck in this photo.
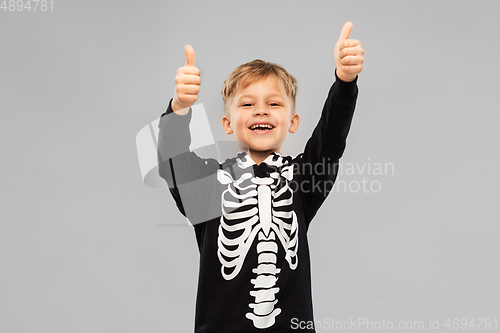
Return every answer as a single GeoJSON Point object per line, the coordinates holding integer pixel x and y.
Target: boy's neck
{"type": "Point", "coordinates": [258, 156]}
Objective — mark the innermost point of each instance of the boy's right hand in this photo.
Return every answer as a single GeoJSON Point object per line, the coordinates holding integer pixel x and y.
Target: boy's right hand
{"type": "Point", "coordinates": [187, 84]}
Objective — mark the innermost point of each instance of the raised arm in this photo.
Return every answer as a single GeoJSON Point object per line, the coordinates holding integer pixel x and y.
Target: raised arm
{"type": "Point", "coordinates": [318, 165]}
{"type": "Point", "coordinates": [188, 176]}
{"type": "Point", "coordinates": [174, 136]}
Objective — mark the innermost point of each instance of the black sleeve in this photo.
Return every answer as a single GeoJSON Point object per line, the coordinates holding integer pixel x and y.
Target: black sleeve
{"type": "Point", "coordinates": [190, 178]}
{"type": "Point", "coordinates": [317, 166]}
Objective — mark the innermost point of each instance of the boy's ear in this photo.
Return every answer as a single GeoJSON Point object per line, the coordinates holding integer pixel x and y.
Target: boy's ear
{"type": "Point", "coordinates": [226, 124]}
{"type": "Point", "coordinates": [294, 123]}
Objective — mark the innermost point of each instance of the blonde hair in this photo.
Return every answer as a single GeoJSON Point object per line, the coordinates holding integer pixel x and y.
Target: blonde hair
{"type": "Point", "coordinates": [254, 71]}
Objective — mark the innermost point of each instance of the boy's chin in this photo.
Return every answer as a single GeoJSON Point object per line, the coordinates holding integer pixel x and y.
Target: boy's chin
{"type": "Point", "coordinates": [258, 147]}
{"type": "Point", "coordinates": [261, 149]}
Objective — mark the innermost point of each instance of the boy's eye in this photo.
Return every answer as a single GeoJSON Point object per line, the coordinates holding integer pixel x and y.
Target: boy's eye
{"type": "Point", "coordinates": [250, 104]}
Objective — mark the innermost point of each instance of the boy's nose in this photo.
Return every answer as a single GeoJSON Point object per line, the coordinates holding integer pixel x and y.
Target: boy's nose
{"type": "Point", "coordinates": [260, 111]}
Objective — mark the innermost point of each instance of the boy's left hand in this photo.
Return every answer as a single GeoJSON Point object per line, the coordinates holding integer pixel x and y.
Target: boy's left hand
{"type": "Point", "coordinates": [348, 55]}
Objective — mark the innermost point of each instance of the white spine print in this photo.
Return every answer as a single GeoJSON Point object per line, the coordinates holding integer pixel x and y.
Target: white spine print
{"type": "Point", "coordinates": [265, 209]}
{"type": "Point", "coordinates": [264, 314]}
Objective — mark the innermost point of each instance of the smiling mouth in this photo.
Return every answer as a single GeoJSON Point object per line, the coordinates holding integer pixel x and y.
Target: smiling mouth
{"type": "Point", "coordinates": [261, 128]}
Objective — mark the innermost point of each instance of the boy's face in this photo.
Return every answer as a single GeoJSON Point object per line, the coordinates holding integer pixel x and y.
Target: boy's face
{"type": "Point", "coordinates": [263, 103]}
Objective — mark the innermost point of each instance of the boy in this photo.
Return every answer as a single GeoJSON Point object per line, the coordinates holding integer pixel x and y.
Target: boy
{"type": "Point", "coordinates": [251, 212]}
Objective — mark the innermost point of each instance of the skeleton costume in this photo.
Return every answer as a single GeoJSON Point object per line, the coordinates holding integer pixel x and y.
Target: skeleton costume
{"type": "Point", "coordinates": [251, 220]}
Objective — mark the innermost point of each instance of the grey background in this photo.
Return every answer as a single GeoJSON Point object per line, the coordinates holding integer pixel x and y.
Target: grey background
{"type": "Point", "coordinates": [84, 244]}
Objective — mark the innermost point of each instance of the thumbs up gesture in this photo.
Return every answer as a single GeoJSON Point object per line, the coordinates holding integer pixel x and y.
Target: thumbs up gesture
{"type": "Point", "coordinates": [187, 83]}
{"type": "Point", "coordinates": [348, 55]}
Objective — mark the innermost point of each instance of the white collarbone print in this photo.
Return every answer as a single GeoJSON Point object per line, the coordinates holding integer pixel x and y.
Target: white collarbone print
{"type": "Point", "coordinates": [261, 207]}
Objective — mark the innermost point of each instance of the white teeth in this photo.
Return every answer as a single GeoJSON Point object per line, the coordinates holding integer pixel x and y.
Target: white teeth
{"type": "Point", "coordinates": [261, 126]}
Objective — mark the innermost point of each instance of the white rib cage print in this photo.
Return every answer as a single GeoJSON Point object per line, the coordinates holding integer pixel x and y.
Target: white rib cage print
{"type": "Point", "coordinates": [251, 207]}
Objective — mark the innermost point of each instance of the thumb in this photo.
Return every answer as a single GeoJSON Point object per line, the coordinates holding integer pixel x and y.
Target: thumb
{"type": "Point", "coordinates": [190, 56]}
{"type": "Point", "coordinates": [346, 30]}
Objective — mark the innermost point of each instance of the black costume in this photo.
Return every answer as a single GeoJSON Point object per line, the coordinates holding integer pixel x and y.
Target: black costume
{"type": "Point", "coordinates": [251, 220]}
